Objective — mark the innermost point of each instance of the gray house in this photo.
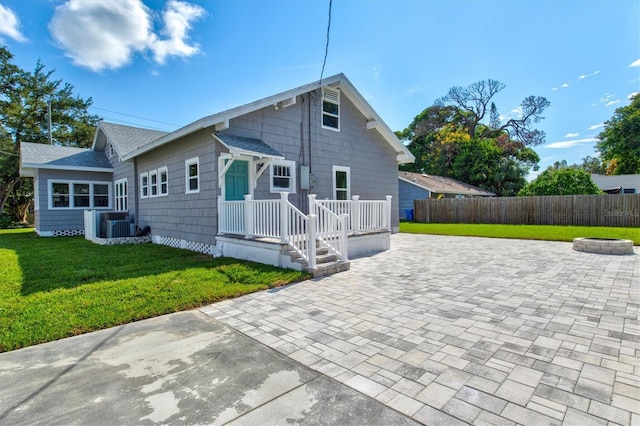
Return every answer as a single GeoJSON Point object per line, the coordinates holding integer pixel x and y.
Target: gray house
{"type": "Point", "coordinates": [419, 186]}
{"type": "Point", "coordinates": [315, 159]}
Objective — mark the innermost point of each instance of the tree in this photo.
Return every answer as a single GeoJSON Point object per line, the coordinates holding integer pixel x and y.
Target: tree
{"type": "Point", "coordinates": [561, 181]}
{"type": "Point", "coordinates": [451, 139]}
{"type": "Point", "coordinates": [620, 140]}
{"type": "Point", "coordinates": [474, 100]}
{"type": "Point", "coordinates": [23, 118]}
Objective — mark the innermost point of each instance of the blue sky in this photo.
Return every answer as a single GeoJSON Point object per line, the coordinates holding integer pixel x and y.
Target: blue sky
{"type": "Point", "coordinates": [164, 63]}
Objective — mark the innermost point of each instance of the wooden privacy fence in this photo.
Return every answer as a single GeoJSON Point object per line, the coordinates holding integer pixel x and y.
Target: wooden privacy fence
{"type": "Point", "coordinates": [579, 210]}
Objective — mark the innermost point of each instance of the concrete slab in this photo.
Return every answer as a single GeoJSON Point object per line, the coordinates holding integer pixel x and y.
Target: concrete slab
{"type": "Point", "coordinates": [183, 368]}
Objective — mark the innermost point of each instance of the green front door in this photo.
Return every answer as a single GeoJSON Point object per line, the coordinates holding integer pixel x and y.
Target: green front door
{"type": "Point", "coordinates": [236, 181]}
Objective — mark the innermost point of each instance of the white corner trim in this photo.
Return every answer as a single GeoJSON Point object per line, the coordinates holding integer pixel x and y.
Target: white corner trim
{"type": "Point", "coordinates": [223, 125]}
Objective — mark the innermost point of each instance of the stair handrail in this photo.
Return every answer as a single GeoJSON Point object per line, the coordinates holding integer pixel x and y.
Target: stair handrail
{"type": "Point", "coordinates": [331, 228]}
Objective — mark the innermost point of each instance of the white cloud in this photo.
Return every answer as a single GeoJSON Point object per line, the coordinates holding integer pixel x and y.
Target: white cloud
{"type": "Point", "coordinates": [583, 76]}
{"type": "Point", "coordinates": [612, 102]}
{"type": "Point", "coordinates": [10, 25]}
{"type": "Point", "coordinates": [631, 95]}
{"type": "Point", "coordinates": [635, 63]}
{"type": "Point", "coordinates": [106, 34]}
{"type": "Point", "coordinates": [596, 126]}
{"type": "Point", "coordinates": [570, 144]}
{"type": "Point", "coordinates": [572, 135]}
{"type": "Point", "coordinates": [178, 18]}
{"type": "Point", "coordinates": [565, 85]}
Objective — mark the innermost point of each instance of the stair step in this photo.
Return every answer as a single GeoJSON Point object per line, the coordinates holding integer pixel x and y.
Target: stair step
{"type": "Point", "coordinates": [324, 269]}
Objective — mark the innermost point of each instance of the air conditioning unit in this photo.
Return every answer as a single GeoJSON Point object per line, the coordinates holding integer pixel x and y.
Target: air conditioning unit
{"type": "Point", "coordinates": [118, 228]}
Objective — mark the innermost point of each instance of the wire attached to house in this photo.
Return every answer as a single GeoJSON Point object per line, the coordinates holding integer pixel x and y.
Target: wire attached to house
{"type": "Point", "coordinates": [326, 48]}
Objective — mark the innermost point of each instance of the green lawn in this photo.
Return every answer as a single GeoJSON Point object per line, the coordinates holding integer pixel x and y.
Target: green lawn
{"type": "Point", "coordinates": [52, 288]}
{"type": "Point", "coordinates": [525, 232]}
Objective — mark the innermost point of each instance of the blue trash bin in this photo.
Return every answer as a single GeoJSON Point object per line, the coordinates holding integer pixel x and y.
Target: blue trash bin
{"type": "Point", "coordinates": [408, 214]}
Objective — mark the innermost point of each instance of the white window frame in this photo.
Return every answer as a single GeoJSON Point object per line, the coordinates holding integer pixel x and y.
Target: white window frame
{"type": "Point", "coordinates": [153, 187]}
{"type": "Point", "coordinates": [143, 186]}
{"type": "Point", "coordinates": [112, 151]}
{"type": "Point", "coordinates": [348, 189]}
{"type": "Point", "coordinates": [187, 178]}
{"type": "Point", "coordinates": [163, 171]}
{"type": "Point", "coordinates": [121, 195]}
{"type": "Point", "coordinates": [71, 184]}
{"type": "Point", "coordinates": [333, 98]}
{"type": "Point", "coordinates": [292, 177]}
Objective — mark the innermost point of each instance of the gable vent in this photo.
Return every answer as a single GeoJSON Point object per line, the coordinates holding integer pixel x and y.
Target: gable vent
{"type": "Point", "coordinates": [331, 95]}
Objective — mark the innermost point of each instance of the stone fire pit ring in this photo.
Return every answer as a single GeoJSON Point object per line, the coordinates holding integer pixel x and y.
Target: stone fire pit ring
{"type": "Point", "coordinates": [603, 245]}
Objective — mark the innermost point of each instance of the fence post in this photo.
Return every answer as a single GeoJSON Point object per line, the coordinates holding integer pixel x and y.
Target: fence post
{"type": "Point", "coordinates": [355, 214]}
{"type": "Point", "coordinates": [388, 212]}
{"type": "Point", "coordinates": [221, 217]}
{"type": "Point", "coordinates": [248, 217]}
{"type": "Point", "coordinates": [344, 238]}
{"type": "Point", "coordinates": [311, 240]}
{"type": "Point", "coordinates": [284, 217]}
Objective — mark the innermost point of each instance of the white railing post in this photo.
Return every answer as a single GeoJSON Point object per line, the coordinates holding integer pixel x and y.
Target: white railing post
{"type": "Point", "coordinates": [284, 217]}
{"type": "Point", "coordinates": [388, 213]}
{"type": "Point", "coordinates": [248, 217]}
{"type": "Point", "coordinates": [221, 216]}
{"type": "Point", "coordinates": [312, 204]}
{"type": "Point", "coordinates": [355, 214]}
{"type": "Point", "coordinates": [311, 240]}
{"type": "Point", "coordinates": [344, 238]}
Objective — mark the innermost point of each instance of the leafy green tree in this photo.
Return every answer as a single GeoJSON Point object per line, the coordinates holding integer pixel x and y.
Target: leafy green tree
{"type": "Point", "coordinates": [23, 118]}
{"type": "Point", "coordinates": [451, 139]}
{"type": "Point", "coordinates": [561, 181]}
{"type": "Point", "coordinates": [620, 140]}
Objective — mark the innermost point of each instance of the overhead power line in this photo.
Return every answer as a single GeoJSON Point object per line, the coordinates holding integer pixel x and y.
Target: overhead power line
{"type": "Point", "coordinates": [326, 47]}
{"type": "Point", "coordinates": [134, 116]}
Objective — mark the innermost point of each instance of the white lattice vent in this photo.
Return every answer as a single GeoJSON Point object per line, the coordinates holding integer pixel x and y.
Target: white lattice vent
{"type": "Point", "coordinates": [68, 233]}
{"type": "Point", "coordinates": [167, 241]}
{"type": "Point", "coordinates": [199, 247]}
{"type": "Point", "coordinates": [183, 244]}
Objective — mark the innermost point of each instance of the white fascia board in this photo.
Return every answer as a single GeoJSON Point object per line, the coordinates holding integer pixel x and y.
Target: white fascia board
{"type": "Point", "coordinates": [416, 184]}
{"type": "Point", "coordinates": [73, 168]}
{"type": "Point", "coordinates": [26, 171]}
{"type": "Point", "coordinates": [212, 120]}
{"type": "Point", "coordinates": [404, 155]}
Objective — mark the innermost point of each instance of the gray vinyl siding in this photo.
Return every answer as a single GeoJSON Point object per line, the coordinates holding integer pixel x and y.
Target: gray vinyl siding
{"type": "Point", "coordinates": [125, 170]}
{"type": "Point", "coordinates": [190, 217]}
{"type": "Point", "coordinates": [372, 161]}
{"type": "Point", "coordinates": [51, 220]}
{"type": "Point", "coordinates": [407, 193]}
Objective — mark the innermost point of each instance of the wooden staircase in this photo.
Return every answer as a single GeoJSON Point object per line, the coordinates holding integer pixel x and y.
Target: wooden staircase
{"type": "Point", "coordinates": [326, 263]}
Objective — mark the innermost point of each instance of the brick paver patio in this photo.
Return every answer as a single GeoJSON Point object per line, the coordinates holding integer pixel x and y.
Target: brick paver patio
{"type": "Point", "coordinates": [454, 330]}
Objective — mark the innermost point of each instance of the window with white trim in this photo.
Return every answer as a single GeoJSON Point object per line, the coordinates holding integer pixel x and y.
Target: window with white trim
{"type": "Point", "coordinates": [192, 175]}
{"type": "Point", "coordinates": [144, 185]}
{"type": "Point", "coordinates": [341, 183]}
{"type": "Point", "coordinates": [78, 195]}
{"type": "Point", "coordinates": [153, 183]}
{"type": "Point", "coordinates": [121, 195]}
{"type": "Point", "coordinates": [112, 151]}
{"type": "Point", "coordinates": [330, 108]}
{"type": "Point", "coordinates": [283, 176]}
{"type": "Point", "coordinates": [163, 178]}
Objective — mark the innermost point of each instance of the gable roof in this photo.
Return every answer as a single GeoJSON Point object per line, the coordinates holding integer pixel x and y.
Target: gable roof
{"type": "Point", "coordinates": [43, 156]}
{"type": "Point", "coordinates": [443, 185]}
{"type": "Point", "coordinates": [221, 120]}
{"type": "Point", "coordinates": [124, 139]}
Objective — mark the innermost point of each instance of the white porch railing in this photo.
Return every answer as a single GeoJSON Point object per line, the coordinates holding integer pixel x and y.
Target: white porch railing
{"type": "Point", "coordinates": [364, 215]}
{"type": "Point", "coordinates": [329, 222]}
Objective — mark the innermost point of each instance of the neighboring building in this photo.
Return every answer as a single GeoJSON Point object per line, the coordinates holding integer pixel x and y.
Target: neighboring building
{"type": "Point", "coordinates": [617, 184]}
{"type": "Point", "coordinates": [320, 139]}
{"type": "Point", "coordinates": [419, 186]}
